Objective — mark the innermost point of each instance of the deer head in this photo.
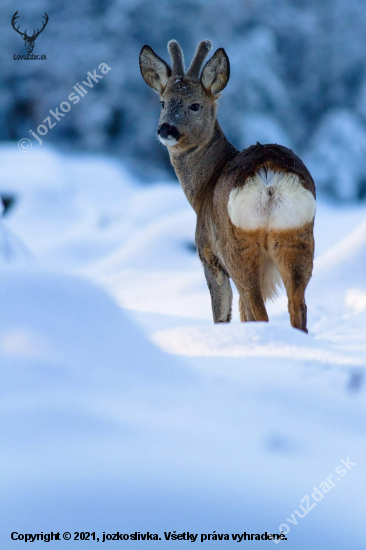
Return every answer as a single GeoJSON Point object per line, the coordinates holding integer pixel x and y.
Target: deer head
{"type": "Point", "coordinates": [188, 99]}
{"type": "Point", "coordinates": [29, 40]}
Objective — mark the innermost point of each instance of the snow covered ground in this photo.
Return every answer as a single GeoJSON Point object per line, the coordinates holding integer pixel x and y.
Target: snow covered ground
{"type": "Point", "coordinates": [123, 408]}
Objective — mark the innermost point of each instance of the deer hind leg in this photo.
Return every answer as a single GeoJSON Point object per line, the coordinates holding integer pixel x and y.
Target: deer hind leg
{"type": "Point", "coordinates": [248, 278]}
{"type": "Point", "coordinates": [296, 282]}
{"type": "Point", "coordinates": [220, 289]}
{"type": "Point", "coordinates": [244, 309]}
{"type": "Point", "coordinates": [293, 253]}
{"type": "Point", "coordinates": [254, 307]}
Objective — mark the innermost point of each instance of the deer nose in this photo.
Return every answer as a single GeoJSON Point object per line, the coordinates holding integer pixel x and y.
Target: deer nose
{"type": "Point", "coordinates": [167, 131]}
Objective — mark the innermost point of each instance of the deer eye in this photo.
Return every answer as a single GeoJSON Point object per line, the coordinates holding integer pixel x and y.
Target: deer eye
{"type": "Point", "coordinates": [194, 107]}
{"type": "Point", "coordinates": [162, 103]}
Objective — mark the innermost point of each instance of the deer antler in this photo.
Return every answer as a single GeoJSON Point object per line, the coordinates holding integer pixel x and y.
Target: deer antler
{"type": "Point", "coordinates": [202, 50]}
{"type": "Point", "coordinates": [13, 21]}
{"type": "Point", "coordinates": [34, 36]}
{"type": "Point", "coordinates": [177, 57]}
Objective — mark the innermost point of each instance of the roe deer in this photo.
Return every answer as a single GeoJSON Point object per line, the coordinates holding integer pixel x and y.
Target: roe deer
{"type": "Point", "coordinates": [255, 209]}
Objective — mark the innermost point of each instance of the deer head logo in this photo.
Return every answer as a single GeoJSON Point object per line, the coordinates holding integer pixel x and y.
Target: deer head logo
{"type": "Point", "coordinates": [29, 40]}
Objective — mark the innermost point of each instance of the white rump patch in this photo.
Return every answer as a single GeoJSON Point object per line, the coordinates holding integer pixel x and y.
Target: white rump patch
{"type": "Point", "coordinates": [271, 200]}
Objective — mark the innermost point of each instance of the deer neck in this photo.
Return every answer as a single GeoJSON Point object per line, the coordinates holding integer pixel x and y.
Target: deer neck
{"type": "Point", "coordinates": [198, 169]}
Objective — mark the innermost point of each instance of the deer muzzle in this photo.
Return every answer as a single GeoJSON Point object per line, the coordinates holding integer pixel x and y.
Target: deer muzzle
{"type": "Point", "coordinates": [168, 134]}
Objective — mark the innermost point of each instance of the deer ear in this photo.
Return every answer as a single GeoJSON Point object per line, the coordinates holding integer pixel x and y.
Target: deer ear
{"type": "Point", "coordinates": [216, 72]}
{"type": "Point", "coordinates": [154, 70]}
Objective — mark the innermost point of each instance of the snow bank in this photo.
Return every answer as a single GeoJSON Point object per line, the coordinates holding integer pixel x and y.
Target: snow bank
{"type": "Point", "coordinates": [153, 419]}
